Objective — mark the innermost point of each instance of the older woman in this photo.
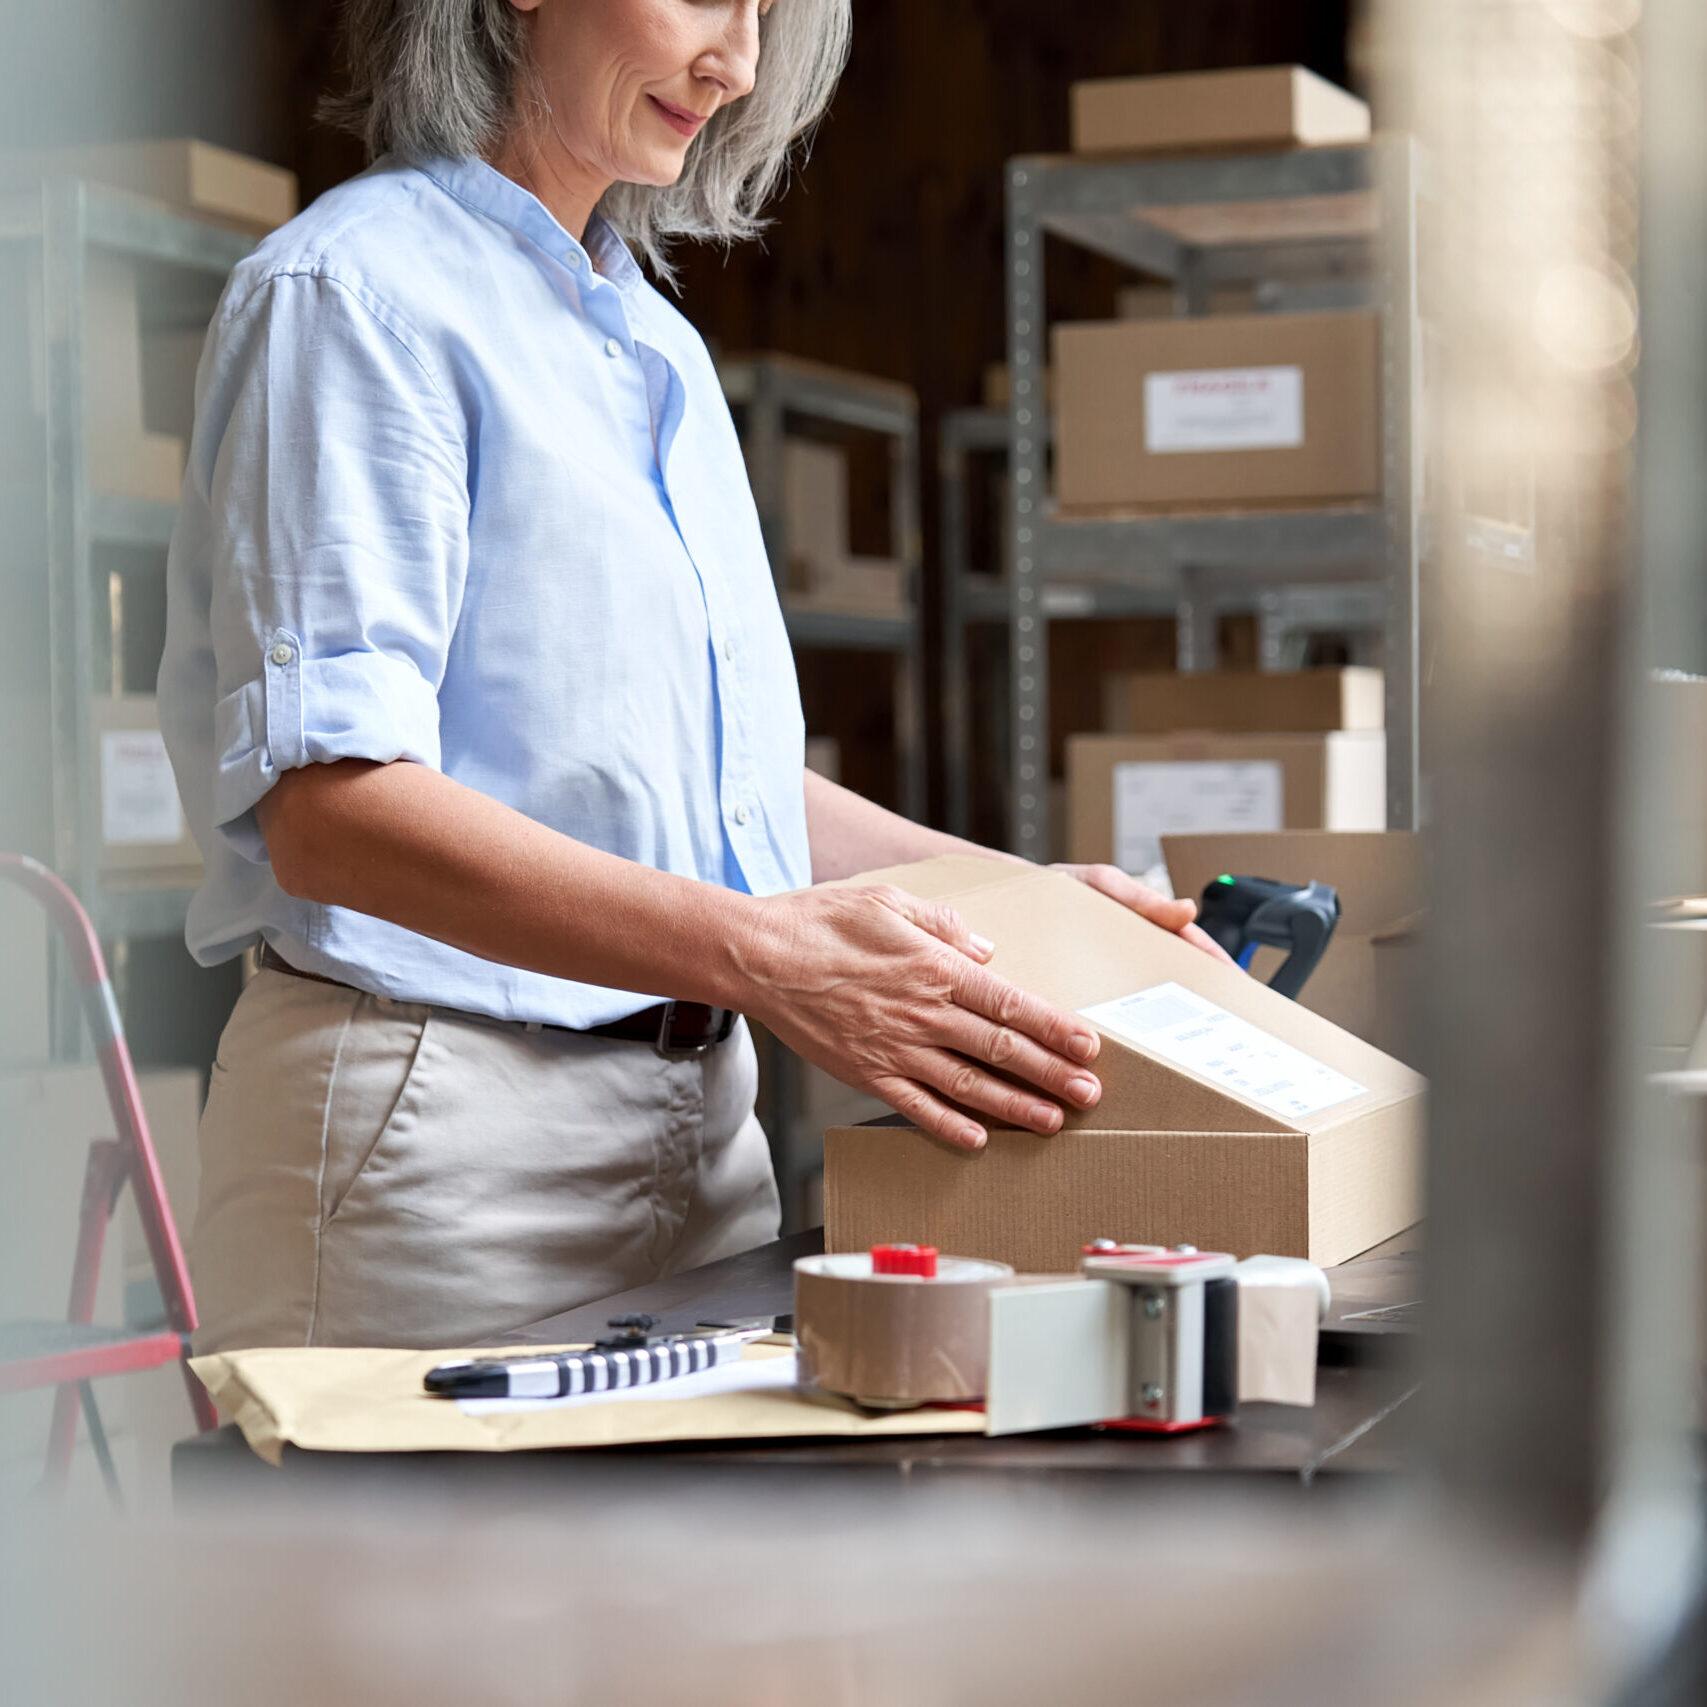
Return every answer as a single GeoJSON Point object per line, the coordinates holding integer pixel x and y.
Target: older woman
{"type": "Point", "coordinates": [484, 713]}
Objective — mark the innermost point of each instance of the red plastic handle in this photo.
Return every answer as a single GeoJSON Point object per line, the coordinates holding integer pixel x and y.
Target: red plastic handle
{"type": "Point", "coordinates": [904, 1259]}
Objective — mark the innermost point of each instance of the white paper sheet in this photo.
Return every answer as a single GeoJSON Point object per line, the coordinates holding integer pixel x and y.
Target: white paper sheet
{"type": "Point", "coordinates": [1180, 1026]}
{"type": "Point", "coordinates": [1188, 797]}
{"type": "Point", "coordinates": [749, 1375]}
{"type": "Point", "coordinates": [1229, 408]}
{"type": "Point", "coordinates": [139, 795]}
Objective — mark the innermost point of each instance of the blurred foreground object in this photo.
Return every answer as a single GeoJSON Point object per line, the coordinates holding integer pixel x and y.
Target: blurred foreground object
{"type": "Point", "coordinates": [212, 183]}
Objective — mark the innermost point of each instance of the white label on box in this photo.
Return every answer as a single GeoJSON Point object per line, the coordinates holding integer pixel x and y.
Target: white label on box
{"type": "Point", "coordinates": [1180, 1026]}
{"type": "Point", "coordinates": [139, 795]}
{"type": "Point", "coordinates": [1224, 408]}
{"type": "Point", "coordinates": [1188, 797]}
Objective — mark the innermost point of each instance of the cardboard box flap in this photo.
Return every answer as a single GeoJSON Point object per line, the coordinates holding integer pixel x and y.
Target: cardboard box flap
{"type": "Point", "coordinates": [1402, 930]}
{"type": "Point", "coordinates": [1377, 873]}
{"type": "Point", "coordinates": [1075, 947]}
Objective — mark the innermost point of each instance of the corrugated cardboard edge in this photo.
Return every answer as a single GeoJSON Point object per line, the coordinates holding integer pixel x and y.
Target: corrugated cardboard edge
{"type": "Point", "coordinates": [1146, 1186]}
{"type": "Point", "coordinates": [1378, 1181]}
{"type": "Point", "coordinates": [342, 1399]}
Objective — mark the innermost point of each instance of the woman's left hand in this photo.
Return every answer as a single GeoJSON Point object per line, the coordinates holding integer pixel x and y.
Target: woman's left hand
{"type": "Point", "coordinates": [1175, 916]}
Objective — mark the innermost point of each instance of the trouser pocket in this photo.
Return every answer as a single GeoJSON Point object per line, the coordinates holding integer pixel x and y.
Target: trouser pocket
{"type": "Point", "coordinates": [371, 1093]}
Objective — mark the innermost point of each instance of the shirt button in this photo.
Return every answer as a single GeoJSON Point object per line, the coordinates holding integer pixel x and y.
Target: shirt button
{"type": "Point", "coordinates": [613, 347]}
{"type": "Point", "coordinates": [728, 651]}
{"type": "Point", "coordinates": [282, 655]}
{"type": "Point", "coordinates": [741, 814]}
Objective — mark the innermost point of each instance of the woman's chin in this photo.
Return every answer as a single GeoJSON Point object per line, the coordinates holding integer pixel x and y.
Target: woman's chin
{"type": "Point", "coordinates": [656, 170]}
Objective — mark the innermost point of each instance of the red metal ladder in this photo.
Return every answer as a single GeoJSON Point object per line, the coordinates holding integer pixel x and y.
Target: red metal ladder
{"type": "Point", "coordinates": [71, 1354]}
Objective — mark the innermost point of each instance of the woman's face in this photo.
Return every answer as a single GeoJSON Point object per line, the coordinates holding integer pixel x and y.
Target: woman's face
{"type": "Point", "coordinates": [630, 83]}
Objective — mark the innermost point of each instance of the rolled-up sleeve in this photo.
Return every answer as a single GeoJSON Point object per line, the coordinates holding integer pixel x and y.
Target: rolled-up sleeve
{"type": "Point", "coordinates": [336, 484]}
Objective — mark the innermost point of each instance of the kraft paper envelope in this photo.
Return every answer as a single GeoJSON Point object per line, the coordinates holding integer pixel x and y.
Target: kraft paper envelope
{"type": "Point", "coordinates": [337, 1399]}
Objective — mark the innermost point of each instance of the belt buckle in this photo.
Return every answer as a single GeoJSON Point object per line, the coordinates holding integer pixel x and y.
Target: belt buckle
{"type": "Point", "coordinates": [670, 1050]}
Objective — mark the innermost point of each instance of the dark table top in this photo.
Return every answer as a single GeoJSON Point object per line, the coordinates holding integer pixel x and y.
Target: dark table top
{"type": "Point", "coordinates": [1358, 1423]}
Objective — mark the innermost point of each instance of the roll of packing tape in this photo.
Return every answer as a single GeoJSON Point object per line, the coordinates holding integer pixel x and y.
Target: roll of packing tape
{"type": "Point", "coordinates": [891, 1340]}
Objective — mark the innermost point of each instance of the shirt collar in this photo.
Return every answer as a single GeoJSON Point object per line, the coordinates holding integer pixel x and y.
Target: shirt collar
{"type": "Point", "coordinates": [481, 186]}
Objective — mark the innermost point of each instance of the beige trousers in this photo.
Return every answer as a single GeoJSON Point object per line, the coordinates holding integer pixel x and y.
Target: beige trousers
{"type": "Point", "coordinates": [384, 1173]}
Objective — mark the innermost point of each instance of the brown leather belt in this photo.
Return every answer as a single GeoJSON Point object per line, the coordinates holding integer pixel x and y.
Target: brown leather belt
{"type": "Point", "coordinates": [677, 1030]}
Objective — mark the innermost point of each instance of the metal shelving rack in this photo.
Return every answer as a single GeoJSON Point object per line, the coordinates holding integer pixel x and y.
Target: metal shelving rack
{"type": "Point", "coordinates": [59, 225]}
{"type": "Point", "coordinates": [1286, 616]}
{"type": "Point", "coordinates": [765, 391]}
{"type": "Point", "coordinates": [1319, 227]}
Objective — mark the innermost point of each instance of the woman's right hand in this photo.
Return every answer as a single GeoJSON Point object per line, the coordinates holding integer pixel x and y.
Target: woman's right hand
{"type": "Point", "coordinates": [890, 994]}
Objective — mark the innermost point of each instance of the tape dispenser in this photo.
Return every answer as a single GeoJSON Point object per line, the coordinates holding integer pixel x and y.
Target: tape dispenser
{"type": "Point", "coordinates": [1150, 1338]}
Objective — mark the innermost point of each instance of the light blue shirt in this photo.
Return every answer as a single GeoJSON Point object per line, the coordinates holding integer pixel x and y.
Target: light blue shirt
{"type": "Point", "coordinates": [466, 492]}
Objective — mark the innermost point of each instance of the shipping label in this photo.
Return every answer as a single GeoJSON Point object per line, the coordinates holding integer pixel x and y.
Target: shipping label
{"type": "Point", "coordinates": [1188, 797]}
{"type": "Point", "coordinates": [1227, 408]}
{"type": "Point", "coordinates": [1180, 1026]}
{"type": "Point", "coordinates": [139, 795]}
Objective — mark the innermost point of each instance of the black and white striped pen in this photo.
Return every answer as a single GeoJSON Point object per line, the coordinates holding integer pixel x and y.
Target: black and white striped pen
{"type": "Point", "coordinates": [607, 1367]}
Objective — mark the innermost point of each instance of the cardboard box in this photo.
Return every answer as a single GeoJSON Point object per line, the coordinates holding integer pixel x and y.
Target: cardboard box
{"type": "Point", "coordinates": [1162, 301]}
{"type": "Point", "coordinates": [1379, 877]}
{"type": "Point", "coordinates": [858, 586]}
{"type": "Point", "coordinates": [213, 183]}
{"type": "Point", "coordinates": [1316, 1154]}
{"type": "Point", "coordinates": [126, 460]}
{"type": "Point", "coordinates": [1244, 702]}
{"type": "Point", "coordinates": [815, 507]}
{"type": "Point", "coordinates": [821, 574]}
{"type": "Point", "coordinates": [1398, 983]}
{"type": "Point", "coordinates": [143, 832]}
{"type": "Point", "coordinates": [1269, 106]}
{"type": "Point", "coordinates": [1240, 409]}
{"type": "Point", "coordinates": [1125, 792]}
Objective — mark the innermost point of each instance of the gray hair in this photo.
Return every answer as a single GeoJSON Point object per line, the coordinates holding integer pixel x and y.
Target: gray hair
{"type": "Point", "coordinates": [434, 77]}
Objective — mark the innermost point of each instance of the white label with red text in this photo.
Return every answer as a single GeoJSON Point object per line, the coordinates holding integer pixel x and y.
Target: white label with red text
{"type": "Point", "coordinates": [139, 795]}
{"type": "Point", "coordinates": [1224, 408]}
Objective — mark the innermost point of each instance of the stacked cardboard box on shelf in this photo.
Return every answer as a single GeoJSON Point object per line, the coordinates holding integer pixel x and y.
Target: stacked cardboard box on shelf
{"type": "Point", "coordinates": [822, 574]}
{"type": "Point", "coordinates": [125, 360]}
{"type": "Point", "coordinates": [1244, 702]}
{"type": "Point", "coordinates": [1266, 106]}
{"type": "Point", "coordinates": [126, 459]}
{"type": "Point", "coordinates": [1221, 752]}
{"type": "Point", "coordinates": [1124, 792]}
{"type": "Point", "coordinates": [195, 177]}
{"type": "Point", "coordinates": [144, 838]}
{"type": "Point", "coordinates": [1235, 409]}
{"type": "Point", "coordinates": [1230, 408]}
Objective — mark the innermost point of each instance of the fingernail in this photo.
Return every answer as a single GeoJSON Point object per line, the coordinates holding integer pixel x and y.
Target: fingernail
{"type": "Point", "coordinates": [974, 1137]}
{"type": "Point", "coordinates": [983, 944]}
{"type": "Point", "coordinates": [1084, 1090]}
{"type": "Point", "coordinates": [1045, 1116]}
{"type": "Point", "coordinates": [1081, 1047]}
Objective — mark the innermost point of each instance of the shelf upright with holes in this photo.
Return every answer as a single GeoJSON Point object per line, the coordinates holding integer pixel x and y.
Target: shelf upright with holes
{"type": "Point", "coordinates": [1328, 227]}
